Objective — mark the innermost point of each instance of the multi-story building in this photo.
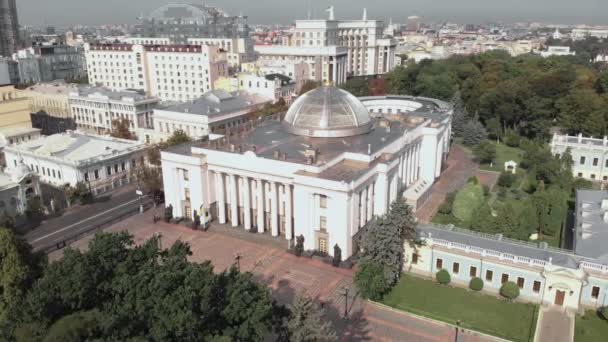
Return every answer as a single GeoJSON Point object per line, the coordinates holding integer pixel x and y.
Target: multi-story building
{"type": "Point", "coordinates": [14, 108]}
{"type": "Point", "coordinates": [9, 71]}
{"type": "Point", "coordinates": [557, 51]}
{"type": "Point", "coordinates": [169, 72]}
{"type": "Point", "coordinates": [272, 87]}
{"type": "Point", "coordinates": [45, 63]}
{"type": "Point", "coordinates": [589, 155]}
{"type": "Point", "coordinates": [323, 171]}
{"type": "Point", "coordinates": [51, 98]}
{"type": "Point", "coordinates": [101, 162]}
{"type": "Point", "coordinates": [584, 33]}
{"type": "Point", "coordinates": [327, 44]}
{"type": "Point", "coordinates": [238, 50]}
{"type": "Point", "coordinates": [297, 71]}
{"type": "Point", "coordinates": [9, 28]}
{"type": "Point", "coordinates": [214, 112]}
{"type": "Point", "coordinates": [179, 22]}
{"type": "Point", "coordinates": [16, 188]}
{"type": "Point", "coordinates": [95, 109]}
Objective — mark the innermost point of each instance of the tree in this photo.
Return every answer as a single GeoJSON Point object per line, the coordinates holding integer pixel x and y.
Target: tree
{"type": "Point", "coordinates": [509, 290]}
{"type": "Point", "coordinates": [460, 117]}
{"type": "Point", "coordinates": [306, 322]}
{"type": "Point", "coordinates": [371, 281]}
{"type": "Point", "coordinates": [358, 86]}
{"type": "Point", "coordinates": [150, 178]}
{"type": "Point", "coordinates": [337, 259]}
{"type": "Point", "coordinates": [485, 152]}
{"type": "Point", "coordinates": [308, 86]}
{"type": "Point", "coordinates": [476, 284]}
{"type": "Point", "coordinates": [474, 133]}
{"type": "Point", "coordinates": [443, 277]}
{"type": "Point", "coordinates": [121, 129]}
{"type": "Point", "coordinates": [178, 137]}
{"type": "Point", "coordinates": [34, 210]}
{"type": "Point", "coordinates": [76, 327]}
{"type": "Point", "coordinates": [78, 194]}
{"type": "Point", "coordinates": [506, 179]}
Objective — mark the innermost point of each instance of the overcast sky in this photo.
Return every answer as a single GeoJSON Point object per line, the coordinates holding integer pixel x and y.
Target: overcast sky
{"type": "Point", "coordinates": [94, 12]}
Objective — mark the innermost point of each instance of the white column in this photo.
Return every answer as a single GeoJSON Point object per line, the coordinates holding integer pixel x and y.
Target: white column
{"type": "Point", "coordinates": [247, 202]}
{"type": "Point", "coordinates": [234, 202]}
{"type": "Point", "coordinates": [364, 207]}
{"type": "Point", "coordinates": [411, 168]}
{"type": "Point", "coordinates": [219, 190]}
{"type": "Point", "coordinates": [404, 170]}
{"type": "Point", "coordinates": [274, 212]}
{"type": "Point", "coordinates": [370, 202]}
{"type": "Point", "coordinates": [288, 213]}
{"type": "Point", "coordinates": [417, 162]}
{"type": "Point", "coordinates": [260, 204]}
{"type": "Point", "coordinates": [357, 210]}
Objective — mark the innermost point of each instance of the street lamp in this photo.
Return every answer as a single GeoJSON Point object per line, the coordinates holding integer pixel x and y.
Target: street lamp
{"type": "Point", "coordinates": [345, 291]}
{"type": "Point", "coordinates": [141, 204]}
{"type": "Point", "coordinates": [457, 328]}
{"type": "Point", "coordinates": [237, 258]}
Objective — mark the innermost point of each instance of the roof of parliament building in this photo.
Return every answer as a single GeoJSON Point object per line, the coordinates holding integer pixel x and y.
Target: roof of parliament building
{"type": "Point", "coordinates": [591, 231]}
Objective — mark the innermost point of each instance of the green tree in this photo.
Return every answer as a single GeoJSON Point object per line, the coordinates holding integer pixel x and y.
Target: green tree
{"type": "Point", "coordinates": [485, 152]}
{"type": "Point", "coordinates": [306, 322]}
{"type": "Point", "coordinates": [76, 327]}
{"type": "Point", "coordinates": [34, 210]}
{"type": "Point", "coordinates": [308, 86]}
{"type": "Point", "coordinates": [474, 133]}
{"type": "Point", "coordinates": [582, 111]}
{"type": "Point", "coordinates": [149, 178]}
{"type": "Point", "coordinates": [357, 86]}
{"type": "Point", "coordinates": [371, 281]}
{"type": "Point", "coordinates": [178, 137]}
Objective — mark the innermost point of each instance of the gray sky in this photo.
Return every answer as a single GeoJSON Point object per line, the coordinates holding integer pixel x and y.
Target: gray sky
{"type": "Point", "coordinates": [69, 12]}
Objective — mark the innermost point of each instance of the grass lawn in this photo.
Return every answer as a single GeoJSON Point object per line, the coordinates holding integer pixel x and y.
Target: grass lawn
{"type": "Point", "coordinates": [590, 328]}
{"type": "Point", "coordinates": [504, 153]}
{"type": "Point", "coordinates": [484, 313]}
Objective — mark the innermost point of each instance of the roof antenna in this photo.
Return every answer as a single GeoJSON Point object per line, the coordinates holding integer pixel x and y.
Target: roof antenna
{"type": "Point", "coordinates": [364, 14]}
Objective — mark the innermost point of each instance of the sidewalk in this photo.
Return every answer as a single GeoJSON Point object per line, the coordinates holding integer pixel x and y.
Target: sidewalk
{"type": "Point", "coordinates": [554, 325]}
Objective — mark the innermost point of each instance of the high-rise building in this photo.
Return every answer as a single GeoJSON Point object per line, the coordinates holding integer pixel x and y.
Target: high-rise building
{"type": "Point", "coordinates": [9, 27]}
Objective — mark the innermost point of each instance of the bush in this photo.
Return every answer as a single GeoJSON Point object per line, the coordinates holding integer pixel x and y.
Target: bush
{"type": "Point", "coordinates": [473, 180]}
{"type": "Point", "coordinates": [370, 280]}
{"type": "Point", "coordinates": [603, 312]}
{"type": "Point", "coordinates": [506, 179]}
{"type": "Point", "coordinates": [486, 190]}
{"type": "Point", "coordinates": [476, 284]}
{"type": "Point", "coordinates": [509, 290]}
{"type": "Point", "coordinates": [511, 138]}
{"type": "Point", "coordinates": [485, 152]}
{"type": "Point", "coordinates": [443, 277]}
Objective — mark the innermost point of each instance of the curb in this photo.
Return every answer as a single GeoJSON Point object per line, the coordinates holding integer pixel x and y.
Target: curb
{"type": "Point", "coordinates": [430, 320]}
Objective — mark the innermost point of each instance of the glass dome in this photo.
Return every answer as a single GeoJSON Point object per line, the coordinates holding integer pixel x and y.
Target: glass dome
{"type": "Point", "coordinates": [327, 112]}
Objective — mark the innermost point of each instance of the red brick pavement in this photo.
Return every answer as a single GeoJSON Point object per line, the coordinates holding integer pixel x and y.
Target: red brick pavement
{"type": "Point", "coordinates": [460, 168]}
{"type": "Point", "coordinates": [288, 275]}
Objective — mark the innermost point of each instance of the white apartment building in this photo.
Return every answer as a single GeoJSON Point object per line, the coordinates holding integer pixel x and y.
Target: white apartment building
{"type": "Point", "coordinates": [273, 86]}
{"type": "Point", "coordinates": [95, 108]}
{"type": "Point", "coordinates": [584, 33]}
{"type": "Point", "coordinates": [238, 50]}
{"type": "Point", "coordinates": [557, 51]}
{"type": "Point", "coordinates": [102, 162]}
{"type": "Point", "coordinates": [589, 155]}
{"type": "Point", "coordinates": [297, 71]}
{"type": "Point", "coordinates": [170, 72]}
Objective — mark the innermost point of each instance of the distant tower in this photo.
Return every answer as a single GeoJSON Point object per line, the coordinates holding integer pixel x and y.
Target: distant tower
{"type": "Point", "coordinates": [9, 28]}
{"type": "Point", "coordinates": [557, 35]}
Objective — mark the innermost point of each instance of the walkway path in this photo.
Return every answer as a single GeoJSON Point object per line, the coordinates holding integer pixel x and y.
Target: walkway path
{"type": "Point", "coordinates": [554, 325]}
{"type": "Point", "coordinates": [460, 168]}
{"type": "Point", "coordinates": [288, 275]}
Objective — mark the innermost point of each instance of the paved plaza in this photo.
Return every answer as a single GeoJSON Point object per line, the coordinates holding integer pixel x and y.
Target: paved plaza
{"type": "Point", "coordinates": [288, 275]}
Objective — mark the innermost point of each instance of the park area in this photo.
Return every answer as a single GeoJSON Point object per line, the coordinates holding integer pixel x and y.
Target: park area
{"type": "Point", "coordinates": [590, 327]}
{"type": "Point", "coordinates": [476, 311]}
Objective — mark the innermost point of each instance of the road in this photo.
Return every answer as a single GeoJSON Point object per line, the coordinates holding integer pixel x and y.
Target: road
{"type": "Point", "coordinates": [82, 218]}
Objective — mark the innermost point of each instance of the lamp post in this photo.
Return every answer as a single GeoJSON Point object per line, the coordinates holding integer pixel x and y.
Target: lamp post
{"type": "Point", "coordinates": [237, 259]}
{"type": "Point", "coordinates": [457, 328]}
{"type": "Point", "coordinates": [345, 293]}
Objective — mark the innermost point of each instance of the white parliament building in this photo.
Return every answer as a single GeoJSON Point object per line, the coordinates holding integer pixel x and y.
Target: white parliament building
{"type": "Point", "coordinates": [323, 171]}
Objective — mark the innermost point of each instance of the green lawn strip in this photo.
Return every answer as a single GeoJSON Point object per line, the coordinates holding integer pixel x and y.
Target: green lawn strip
{"type": "Point", "coordinates": [476, 311]}
{"type": "Point", "coordinates": [590, 328]}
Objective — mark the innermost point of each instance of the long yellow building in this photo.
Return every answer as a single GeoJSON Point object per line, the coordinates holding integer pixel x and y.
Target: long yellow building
{"type": "Point", "coordinates": [14, 108]}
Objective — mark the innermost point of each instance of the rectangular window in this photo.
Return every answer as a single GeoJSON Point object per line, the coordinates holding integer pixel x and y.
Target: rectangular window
{"type": "Point", "coordinates": [505, 278]}
{"type": "Point", "coordinates": [455, 268]}
{"type": "Point", "coordinates": [536, 286]}
{"type": "Point", "coordinates": [109, 170]}
{"type": "Point", "coordinates": [520, 282]}
{"type": "Point", "coordinates": [187, 194]}
{"type": "Point", "coordinates": [86, 176]}
{"type": "Point", "coordinates": [53, 173]}
{"type": "Point", "coordinates": [323, 223]}
{"type": "Point", "coordinates": [595, 292]}
{"type": "Point", "coordinates": [582, 161]}
{"type": "Point", "coordinates": [96, 174]}
{"type": "Point", "coordinates": [322, 201]}
{"type": "Point", "coordinates": [123, 167]}
{"type": "Point", "coordinates": [606, 163]}
{"type": "Point", "coordinates": [489, 275]}
{"type": "Point", "coordinates": [115, 167]}
{"type": "Point", "coordinates": [439, 264]}
{"type": "Point", "coordinates": [595, 161]}
{"type": "Point", "coordinates": [323, 245]}
{"type": "Point", "coordinates": [414, 258]}
{"type": "Point", "coordinates": [473, 271]}
{"type": "Point", "coordinates": [58, 174]}
{"type": "Point", "coordinates": [186, 175]}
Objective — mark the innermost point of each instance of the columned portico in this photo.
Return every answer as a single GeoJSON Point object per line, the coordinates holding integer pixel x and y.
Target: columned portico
{"type": "Point", "coordinates": [274, 209]}
{"type": "Point", "coordinates": [288, 213]}
{"type": "Point", "coordinates": [247, 203]}
{"type": "Point", "coordinates": [234, 202]}
{"type": "Point", "coordinates": [260, 204]}
{"type": "Point", "coordinates": [221, 204]}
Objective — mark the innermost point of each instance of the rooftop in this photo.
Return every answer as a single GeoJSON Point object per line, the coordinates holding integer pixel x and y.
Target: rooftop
{"type": "Point", "coordinates": [76, 147]}
{"type": "Point", "coordinates": [53, 88]}
{"type": "Point", "coordinates": [130, 95]}
{"type": "Point", "coordinates": [218, 102]}
{"type": "Point", "coordinates": [591, 237]}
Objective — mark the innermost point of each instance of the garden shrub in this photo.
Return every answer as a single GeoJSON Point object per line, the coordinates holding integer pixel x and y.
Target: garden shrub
{"type": "Point", "coordinates": [604, 312]}
{"type": "Point", "coordinates": [476, 284]}
{"type": "Point", "coordinates": [443, 277]}
{"type": "Point", "coordinates": [506, 179]}
{"type": "Point", "coordinates": [509, 290]}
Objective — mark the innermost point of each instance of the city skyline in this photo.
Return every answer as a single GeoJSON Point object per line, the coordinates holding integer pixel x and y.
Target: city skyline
{"type": "Point", "coordinates": [593, 12]}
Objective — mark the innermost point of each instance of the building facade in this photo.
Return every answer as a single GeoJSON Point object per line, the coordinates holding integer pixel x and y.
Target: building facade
{"type": "Point", "coordinates": [46, 63]}
{"type": "Point", "coordinates": [272, 86]}
{"type": "Point", "coordinates": [323, 171]}
{"type": "Point", "coordinates": [9, 28]}
{"type": "Point", "coordinates": [169, 72]}
{"type": "Point", "coordinates": [95, 109]}
{"type": "Point", "coordinates": [589, 155]}
{"type": "Point", "coordinates": [16, 188]}
{"type": "Point", "coordinates": [179, 22]}
{"type": "Point", "coordinates": [543, 274]}
{"type": "Point", "coordinates": [51, 98]}
{"type": "Point", "coordinates": [103, 163]}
